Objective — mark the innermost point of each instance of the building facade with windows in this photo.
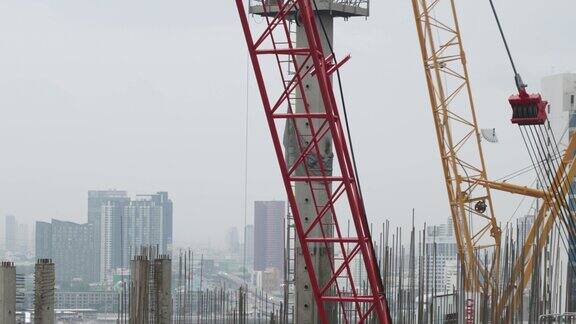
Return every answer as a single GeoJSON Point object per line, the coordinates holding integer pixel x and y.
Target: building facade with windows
{"type": "Point", "coordinates": [43, 240]}
{"type": "Point", "coordinates": [71, 248]}
{"type": "Point", "coordinates": [441, 257]}
{"type": "Point", "coordinates": [96, 200]}
{"type": "Point", "coordinates": [127, 224]}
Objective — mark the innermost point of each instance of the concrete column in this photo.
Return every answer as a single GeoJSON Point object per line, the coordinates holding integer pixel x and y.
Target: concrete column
{"type": "Point", "coordinates": [139, 294]}
{"type": "Point", "coordinates": [163, 289]}
{"type": "Point", "coordinates": [306, 310]}
{"type": "Point", "coordinates": [44, 279]}
{"type": "Point", "coordinates": [7, 293]}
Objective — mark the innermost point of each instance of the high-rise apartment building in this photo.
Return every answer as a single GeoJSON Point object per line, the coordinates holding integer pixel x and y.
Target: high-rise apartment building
{"type": "Point", "coordinates": [145, 224]}
{"type": "Point", "coordinates": [10, 229]}
{"type": "Point", "coordinates": [113, 248]}
{"type": "Point", "coordinates": [71, 248]}
{"type": "Point", "coordinates": [441, 257]}
{"type": "Point", "coordinates": [161, 199]}
{"type": "Point", "coordinates": [128, 224]}
{"type": "Point", "coordinates": [96, 200]}
{"type": "Point", "coordinates": [269, 235]}
{"type": "Point", "coordinates": [560, 92]}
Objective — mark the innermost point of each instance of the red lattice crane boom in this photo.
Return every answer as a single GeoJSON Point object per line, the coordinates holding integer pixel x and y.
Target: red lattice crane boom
{"type": "Point", "coordinates": [274, 45]}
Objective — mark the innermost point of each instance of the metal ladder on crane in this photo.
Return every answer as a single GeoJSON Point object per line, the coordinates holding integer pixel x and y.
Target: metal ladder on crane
{"type": "Point", "coordinates": [289, 268]}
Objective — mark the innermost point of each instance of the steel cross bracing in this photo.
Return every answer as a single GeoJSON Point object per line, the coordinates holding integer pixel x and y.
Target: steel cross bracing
{"type": "Point", "coordinates": [458, 138]}
{"type": "Point", "coordinates": [273, 45]}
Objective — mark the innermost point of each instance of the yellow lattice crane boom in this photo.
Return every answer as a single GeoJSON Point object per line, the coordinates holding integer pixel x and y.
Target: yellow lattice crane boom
{"type": "Point", "coordinates": [457, 130]}
{"type": "Point", "coordinates": [468, 187]}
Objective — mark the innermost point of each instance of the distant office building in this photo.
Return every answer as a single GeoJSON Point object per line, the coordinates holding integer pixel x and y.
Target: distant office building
{"type": "Point", "coordinates": [249, 244]}
{"type": "Point", "coordinates": [441, 257]}
{"type": "Point", "coordinates": [96, 200]}
{"type": "Point", "coordinates": [269, 235]}
{"type": "Point", "coordinates": [560, 92]}
{"type": "Point", "coordinates": [71, 248]}
{"type": "Point", "coordinates": [43, 240]}
{"type": "Point", "coordinates": [17, 236]}
{"type": "Point", "coordinates": [10, 229]}
{"type": "Point", "coordinates": [232, 240]}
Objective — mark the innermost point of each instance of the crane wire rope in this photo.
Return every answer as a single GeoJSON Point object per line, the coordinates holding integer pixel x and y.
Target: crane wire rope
{"type": "Point", "coordinates": [523, 171]}
{"type": "Point", "coordinates": [540, 180]}
{"type": "Point", "coordinates": [245, 171]}
{"type": "Point", "coordinates": [563, 193]}
{"type": "Point", "coordinates": [530, 167]}
{"type": "Point", "coordinates": [519, 84]}
{"type": "Point", "coordinates": [559, 197]}
{"type": "Point", "coordinates": [555, 197]}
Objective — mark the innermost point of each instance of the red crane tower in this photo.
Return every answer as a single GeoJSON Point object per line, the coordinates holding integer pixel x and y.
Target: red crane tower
{"type": "Point", "coordinates": [311, 165]}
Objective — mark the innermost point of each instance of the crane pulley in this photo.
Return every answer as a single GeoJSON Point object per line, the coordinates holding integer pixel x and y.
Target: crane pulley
{"type": "Point", "coordinates": [527, 109]}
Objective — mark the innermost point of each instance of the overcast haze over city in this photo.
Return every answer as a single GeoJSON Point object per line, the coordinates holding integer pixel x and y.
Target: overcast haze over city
{"type": "Point", "coordinates": [149, 96]}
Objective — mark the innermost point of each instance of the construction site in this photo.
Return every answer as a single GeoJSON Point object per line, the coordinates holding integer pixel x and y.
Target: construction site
{"type": "Point", "coordinates": [505, 251]}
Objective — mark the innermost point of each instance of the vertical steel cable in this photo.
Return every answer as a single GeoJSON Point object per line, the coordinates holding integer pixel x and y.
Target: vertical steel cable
{"type": "Point", "coordinates": [530, 153]}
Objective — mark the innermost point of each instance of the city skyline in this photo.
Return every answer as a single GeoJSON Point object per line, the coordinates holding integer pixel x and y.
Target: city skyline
{"type": "Point", "coordinates": [337, 160]}
{"type": "Point", "coordinates": [148, 96]}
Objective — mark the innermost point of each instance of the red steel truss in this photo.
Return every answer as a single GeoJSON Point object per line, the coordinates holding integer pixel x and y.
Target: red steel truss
{"type": "Point", "coordinates": [275, 43]}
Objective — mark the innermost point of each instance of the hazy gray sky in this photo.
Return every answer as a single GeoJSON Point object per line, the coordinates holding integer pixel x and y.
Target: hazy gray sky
{"type": "Point", "coordinates": [150, 95]}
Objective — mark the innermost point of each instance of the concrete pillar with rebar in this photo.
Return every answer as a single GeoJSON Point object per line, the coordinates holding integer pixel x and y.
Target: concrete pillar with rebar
{"type": "Point", "coordinates": [163, 289]}
{"type": "Point", "coordinates": [139, 293]}
{"type": "Point", "coordinates": [7, 293]}
{"type": "Point", "coordinates": [44, 279]}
